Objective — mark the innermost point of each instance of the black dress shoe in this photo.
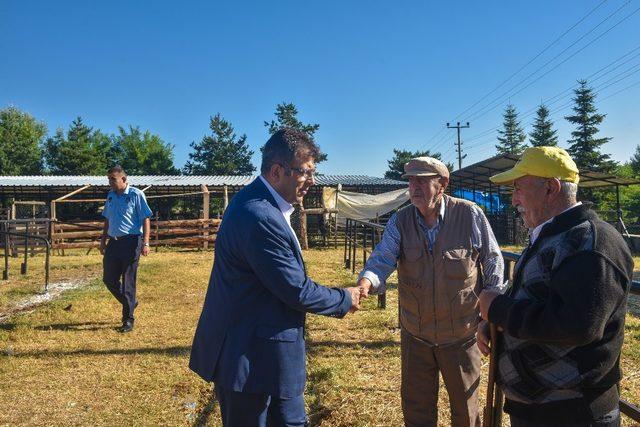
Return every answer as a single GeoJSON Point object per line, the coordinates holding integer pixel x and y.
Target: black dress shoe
{"type": "Point", "coordinates": [127, 326]}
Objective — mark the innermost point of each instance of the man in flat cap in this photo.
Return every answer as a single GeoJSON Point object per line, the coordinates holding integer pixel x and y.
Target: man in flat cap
{"type": "Point", "coordinates": [445, 253]}
{"type": "Point", "coordinates": [563, 317]}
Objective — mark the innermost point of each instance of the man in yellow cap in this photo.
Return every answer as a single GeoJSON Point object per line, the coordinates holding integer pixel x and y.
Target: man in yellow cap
{"type": "Point", "coordinates": [563, 317]}
{"type": "Point", "coordinates": [445, 254]}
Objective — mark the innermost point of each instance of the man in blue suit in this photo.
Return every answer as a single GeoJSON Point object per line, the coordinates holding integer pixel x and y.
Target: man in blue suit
{"type": "Point", "coordinates": [250, 337]}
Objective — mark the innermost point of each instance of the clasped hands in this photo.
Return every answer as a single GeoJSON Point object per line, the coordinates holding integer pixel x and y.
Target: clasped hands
{"type": "Point", "coordinates": [358, 293]}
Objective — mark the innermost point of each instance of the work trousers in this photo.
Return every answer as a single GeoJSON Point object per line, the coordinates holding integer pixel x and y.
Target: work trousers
{"type": "Point", "coordinates": [459, 364]}
{"type": "Point", "coordinates": [120, 267]}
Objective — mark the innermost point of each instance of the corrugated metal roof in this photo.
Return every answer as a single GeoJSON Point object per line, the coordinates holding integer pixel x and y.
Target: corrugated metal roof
{"type": "Point", "coordinates": [178, 180]}
{"type": "Point", "coordinates": [477, 175]}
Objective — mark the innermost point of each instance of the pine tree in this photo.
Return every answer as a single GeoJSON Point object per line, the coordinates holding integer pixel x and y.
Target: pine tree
{"type": "Point", "coordinates": [585, 147]}
{"type": "Point", "coordinates": [287, 116]}
{"type": "Point", "coordinates": [543, 133]}
{"type": "Point", "coordinates": [82, 152]}
{"type": "Point", "coordinates": [221, 153]}
{"type": "Point", "coordinates": [512, 136]}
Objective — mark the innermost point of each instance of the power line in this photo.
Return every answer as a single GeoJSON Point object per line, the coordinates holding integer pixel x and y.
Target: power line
{"type": "Point", "coordinates": [443, 137]}
{"type": "Point", "coordinates": [493, 106]}
{"type": "Point", "coordinates": [473, 149]}
{"type": "Point", "coordinates": [556, 98]}
{"type": "Point", "coordinates": [533, 59]}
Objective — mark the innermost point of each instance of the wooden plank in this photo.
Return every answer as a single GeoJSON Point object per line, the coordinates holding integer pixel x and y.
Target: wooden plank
{"type": "Point", "coordinates": [318, 211]}
{"type": "Point", "coordinates": [630, 410]}
{"type": "Point", "coordinates": [161, 232]}
{"type": "Point", "coordinates": [66, 196]}
{"type": "Point", "coordinates": [195, 241]}
{"type": "Point", "coordinates": [189, 222]}
{"type": "Point", "coordinates": [87, 225]}
{"type": "Point", "coordinates": [77, 234]}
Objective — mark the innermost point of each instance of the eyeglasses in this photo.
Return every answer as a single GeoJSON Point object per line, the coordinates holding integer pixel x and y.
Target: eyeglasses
{"type": "Point", "coordinates": [304, 172]}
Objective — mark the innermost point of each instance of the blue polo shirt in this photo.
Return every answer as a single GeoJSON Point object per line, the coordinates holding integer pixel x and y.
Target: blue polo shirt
{"type": "Point", "coordinates": [126, 212]}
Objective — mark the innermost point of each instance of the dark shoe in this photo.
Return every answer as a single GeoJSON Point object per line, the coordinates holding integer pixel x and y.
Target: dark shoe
{"type": "Point", "coordinates": [127, 326]}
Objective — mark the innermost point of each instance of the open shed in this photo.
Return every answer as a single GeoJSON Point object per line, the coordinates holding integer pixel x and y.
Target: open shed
{"type": "Point", "coordinates": [60, 197]}
{"type": "Point", "coordinates": [472, 182]}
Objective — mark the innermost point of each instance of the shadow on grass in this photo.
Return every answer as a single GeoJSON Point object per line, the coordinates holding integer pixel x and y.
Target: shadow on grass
{"type": "Point", "coordinates": [317, 346]}
{"type": "Point", "coordinates": [206, 405]}
{"type": "Point", "coordinates": [7, 326]}
{"type": "Point", "coordinates": [178, 351]}
{"type": "Point", "coordinates": [85, 326]}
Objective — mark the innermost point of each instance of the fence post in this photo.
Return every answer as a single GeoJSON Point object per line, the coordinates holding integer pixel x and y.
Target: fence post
{"type": "Point", "coordinates": [5, 274]}
{"type": "Point", "coordinates": [23, 267]}
{"type": "Point", "coordinates": [364, 246]}
{"type": "Point", "coordinates": [205, 216]}
{"type": "Point", "coordinates": [346, 240]}
{"type": "Point", "coordinates": [303, 228]}
{"type": "Point", "coordinates": [355, 247]}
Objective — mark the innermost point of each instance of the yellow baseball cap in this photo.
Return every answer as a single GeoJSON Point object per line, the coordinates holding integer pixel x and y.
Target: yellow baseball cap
{"type": "Point", "coordinates": [545, 162]}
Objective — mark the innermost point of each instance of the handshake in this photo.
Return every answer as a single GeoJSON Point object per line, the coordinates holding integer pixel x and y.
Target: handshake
{"type": "Point", "coordinates": [358, 293]}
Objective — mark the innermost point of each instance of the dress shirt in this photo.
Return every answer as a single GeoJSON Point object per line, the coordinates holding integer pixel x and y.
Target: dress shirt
{"type": "Point", "coordinates": [383, 261]}
{"type": "Point", "coordinates": [285, 207]}
{"type": "Point", "coordinates": [126, 212]}
{"type": "Point", "coordinates": [535, 232]}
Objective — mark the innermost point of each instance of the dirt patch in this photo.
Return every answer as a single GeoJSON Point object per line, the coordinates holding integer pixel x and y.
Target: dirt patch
{"type": "Point", "coordinates": [29, 304]}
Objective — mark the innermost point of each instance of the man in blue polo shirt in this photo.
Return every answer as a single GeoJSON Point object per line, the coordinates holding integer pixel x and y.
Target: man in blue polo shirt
{"type": "Point", "coordinates": [127, 226]}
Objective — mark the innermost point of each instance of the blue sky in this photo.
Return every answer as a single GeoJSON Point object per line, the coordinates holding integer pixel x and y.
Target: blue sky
{"type": "Point", "coordinates": [376, 75]}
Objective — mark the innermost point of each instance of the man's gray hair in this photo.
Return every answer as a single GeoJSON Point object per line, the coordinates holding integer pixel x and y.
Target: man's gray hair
{"type": "Point", "coordinates": [569, 189]}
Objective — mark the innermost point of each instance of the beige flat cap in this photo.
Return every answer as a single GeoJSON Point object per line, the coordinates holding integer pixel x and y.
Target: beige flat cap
{"type": "Point", "coordinates": [425, 166]}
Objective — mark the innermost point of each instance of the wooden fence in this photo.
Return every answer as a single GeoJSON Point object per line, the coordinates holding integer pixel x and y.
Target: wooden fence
{"type": "Point", "coordinates": [193, 233]}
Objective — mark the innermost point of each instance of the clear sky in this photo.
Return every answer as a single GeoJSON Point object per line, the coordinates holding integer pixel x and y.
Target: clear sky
{"type": "Point", "coordinates": [376, 75]}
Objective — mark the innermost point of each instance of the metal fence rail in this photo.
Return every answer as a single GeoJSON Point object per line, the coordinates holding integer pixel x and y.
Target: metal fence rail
{"type": "Point", "coordinates": [362, 235]}
{"type": "Point", "coordinates": [29, 239]}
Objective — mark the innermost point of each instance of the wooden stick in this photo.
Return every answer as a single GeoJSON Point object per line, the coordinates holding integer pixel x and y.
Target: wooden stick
{"type": "Point", "coordinates": [66, 196]}
{"type": "Point", "coordinates": [489, 409]}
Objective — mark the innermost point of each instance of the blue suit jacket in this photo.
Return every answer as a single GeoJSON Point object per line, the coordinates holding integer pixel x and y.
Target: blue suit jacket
{"type": "Point", "coordinates": [250, 335]}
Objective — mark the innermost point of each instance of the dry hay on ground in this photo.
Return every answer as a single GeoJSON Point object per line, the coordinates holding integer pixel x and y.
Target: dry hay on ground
{"type": "Point", "coordinates": [72, 367]}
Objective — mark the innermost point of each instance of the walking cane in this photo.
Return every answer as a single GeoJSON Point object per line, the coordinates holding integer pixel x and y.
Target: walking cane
{"type": "Point", "coordinates": [493, 407]}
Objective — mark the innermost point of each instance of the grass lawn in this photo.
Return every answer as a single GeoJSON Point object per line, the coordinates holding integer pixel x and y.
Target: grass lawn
{"type": "Point", "coordinates": [63, 363]}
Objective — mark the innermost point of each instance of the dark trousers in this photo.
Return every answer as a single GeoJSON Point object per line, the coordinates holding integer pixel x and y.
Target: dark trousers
{"type": "Point", "coordinates": [421, 363]}
{"type": "Point", "coordinates": [120, 267]}
{"type": "Point", "coordinates": [611, 419]}
{"type": "Point", "coordinates": [260, 410]}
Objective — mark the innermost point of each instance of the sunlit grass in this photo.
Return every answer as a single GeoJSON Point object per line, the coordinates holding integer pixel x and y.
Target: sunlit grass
{"type": "Point", "coordinates": [64, 365]}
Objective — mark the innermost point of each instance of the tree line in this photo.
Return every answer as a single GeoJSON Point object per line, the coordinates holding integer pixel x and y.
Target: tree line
{"type": "Point", "coordinates": [585, 147]}
{"type": "Point", "coordinates": [27, 149]}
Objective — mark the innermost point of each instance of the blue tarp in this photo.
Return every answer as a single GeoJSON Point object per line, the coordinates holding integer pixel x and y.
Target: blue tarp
{"type": "Point", "coordinates": [489, 202]}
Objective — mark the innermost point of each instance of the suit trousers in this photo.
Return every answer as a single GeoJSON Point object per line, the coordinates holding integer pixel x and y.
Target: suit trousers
{"type": "Point", "coordinates": [260, 410]}
{"type": "Point", "coordinates": [120, 268]}
{"type": "Point", "coordinates": [459, 364]}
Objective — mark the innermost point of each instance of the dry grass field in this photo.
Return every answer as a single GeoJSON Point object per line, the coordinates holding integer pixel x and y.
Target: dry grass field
{"type": "Point", "coordinates": [63, 363]}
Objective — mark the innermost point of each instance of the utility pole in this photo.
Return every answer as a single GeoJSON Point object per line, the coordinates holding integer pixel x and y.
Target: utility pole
{"type": "Point", "coordinates": [460, 156]}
